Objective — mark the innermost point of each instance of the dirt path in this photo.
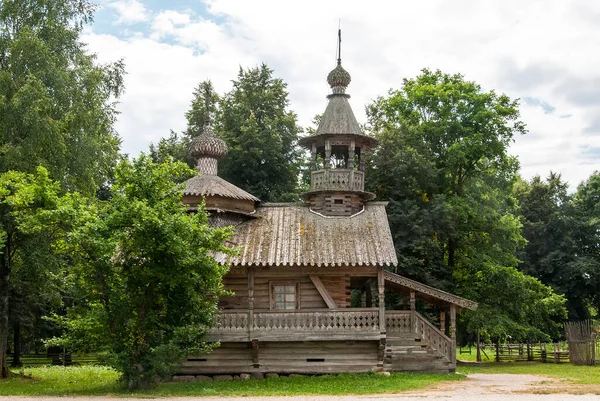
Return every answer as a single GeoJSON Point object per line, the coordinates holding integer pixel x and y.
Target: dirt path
{"type": "Point", "coordinates": [477, 387]}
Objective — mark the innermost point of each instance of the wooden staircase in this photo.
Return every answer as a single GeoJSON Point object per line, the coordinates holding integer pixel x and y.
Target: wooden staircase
{"type": "Point", "coordinates": [416, 345]}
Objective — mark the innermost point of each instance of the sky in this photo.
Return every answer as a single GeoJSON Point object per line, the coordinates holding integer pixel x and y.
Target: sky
{"type": "Point", "coordinates": [545, 53]}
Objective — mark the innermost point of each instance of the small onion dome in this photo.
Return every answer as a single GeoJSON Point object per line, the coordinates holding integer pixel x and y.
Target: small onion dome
{"type": "Point", "coordinates": [208, 145]}
{"type": "Point", "coordinates": [338, 78]}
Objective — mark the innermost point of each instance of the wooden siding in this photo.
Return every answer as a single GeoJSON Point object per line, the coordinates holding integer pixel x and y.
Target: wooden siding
{"type": "Point", "coordinates": [227, 358]}
{"type": "Point", "coordinates": [318, 356]}
{"type": "Point", "coordinates": [286, 357]}
{"type": "Point", "coordinates": [337, 286]}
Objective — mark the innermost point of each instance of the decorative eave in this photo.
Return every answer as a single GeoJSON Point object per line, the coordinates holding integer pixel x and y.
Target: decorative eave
{"type": "Point", "coordinates": [367, 196]}
{"type": "Point", "coordinates": [212, 185]}
{"type": "Point", "coordinates": [429, 291]}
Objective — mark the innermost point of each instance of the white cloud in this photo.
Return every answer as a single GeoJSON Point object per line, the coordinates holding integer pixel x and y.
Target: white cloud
{"type": "Point", "coordinates": [130, 11]}
{"type": "Point", "coordinates": [545, 50]}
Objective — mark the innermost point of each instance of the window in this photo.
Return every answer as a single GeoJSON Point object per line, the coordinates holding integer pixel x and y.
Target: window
{"type": "Point", "coordinates": [284, 296]}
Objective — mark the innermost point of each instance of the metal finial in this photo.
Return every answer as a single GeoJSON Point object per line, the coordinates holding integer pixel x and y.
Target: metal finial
{"type": "Point", "coordinates": [339, 60]}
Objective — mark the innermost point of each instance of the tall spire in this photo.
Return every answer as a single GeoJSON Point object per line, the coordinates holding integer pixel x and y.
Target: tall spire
{"type": "Point", "coordinates": [339, 47]}
{"type": "Point", "coordinates": [206, 147]}
{"type": "Point", "coordinates": [339, 78]}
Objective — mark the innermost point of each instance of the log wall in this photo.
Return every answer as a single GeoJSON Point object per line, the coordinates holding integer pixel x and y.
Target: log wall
{"type": "Point", "coordinates": [337, 286]}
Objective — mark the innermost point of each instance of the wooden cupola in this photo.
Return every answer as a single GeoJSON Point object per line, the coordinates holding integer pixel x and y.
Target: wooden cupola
{"type": "Point", "coordinates": [226, 203]}
{"type": "Point", "coordinates": [337, 181]}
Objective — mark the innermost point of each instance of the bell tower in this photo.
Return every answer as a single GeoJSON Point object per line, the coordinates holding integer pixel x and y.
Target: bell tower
{"type": "Point", "coordinates": [337, 178]}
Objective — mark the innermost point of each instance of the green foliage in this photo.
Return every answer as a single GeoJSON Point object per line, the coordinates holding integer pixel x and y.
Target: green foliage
{"type": "Point", "coordinates": [551, 227]}
{"type": "Point", "coordinates": [443, 164]}
{"type": "Point", "coordinates": [57, 104]}
{"type": "Point", "coordinates": [34, 218]}
{"type": "Point", "coordinates": [258, 128]}
{"type": "Point", "coordinates": [58, 109]}
{"type": "Point", "coordinates": [261, 134]}
{"type": "Point", "coordinates": [586, 212]}
{"type": "Point", "coordinates": [174, 147]}
{"type": "Point", "coordinates": [143, 273]}
{"type": "Point", "coordinates": [196, 115]}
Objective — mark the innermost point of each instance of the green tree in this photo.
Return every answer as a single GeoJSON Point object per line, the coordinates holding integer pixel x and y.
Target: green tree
{"type": "Point", "coordinates": [443, 164]}
{"type": "Point", "coordinates": [261, 133]}
{"type": "Point", "coordinates": [551, 254]}
{"type": "Point", "coordinates": [145, 279]}
{"type": "Point", "coordinates": [56, 102]}
{"type": "Point", "coordinates": [176, 146]}
{"type": "Point", "coordinates": [32, 220]}
{"type": "Point", "coordinates": [586, 213]}
{"type": "Point", "coordinates": [57, 108]}
{"type": "Point", "coordinates": [197, 114]}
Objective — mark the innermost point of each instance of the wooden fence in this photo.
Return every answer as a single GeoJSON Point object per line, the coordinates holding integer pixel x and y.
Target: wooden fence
{"type": "Point", "coordinates": [539, 352]}
{"type": "Point", "coordinates": [55, 359]}
{"type": "Point", "coordinates": [584, 342]}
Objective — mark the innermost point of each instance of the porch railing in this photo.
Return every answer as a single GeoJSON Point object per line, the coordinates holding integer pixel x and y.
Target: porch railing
{"type": "Point", "coordinates": [299, 320]}
{"type": "Point", "coordinates": [337, 179]}
{"type": "Point", "coordinates": [435, 338]}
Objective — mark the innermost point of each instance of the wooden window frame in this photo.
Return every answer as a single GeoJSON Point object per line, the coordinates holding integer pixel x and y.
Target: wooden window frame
{"type": "Point", "coordinates": [272, 285]}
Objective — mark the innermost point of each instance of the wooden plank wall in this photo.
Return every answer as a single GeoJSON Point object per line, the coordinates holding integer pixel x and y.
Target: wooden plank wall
{"type": "Point", "coordinates": [318, 356]}
{"type": "Point", "coordinates": [287, 357]}
{"type": "Point", "coordinates": [227, 358]}
{"type": "Point", "coordinates": [337, 286]}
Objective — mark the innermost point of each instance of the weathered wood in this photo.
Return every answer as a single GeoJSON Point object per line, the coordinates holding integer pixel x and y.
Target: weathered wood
{"type": "Point", "coordinates": [398, 322]}
{"type": "Point", "coordinates": [443, 321]}
{"type": "Point", "coordinates": [250, 300]}
{"type": "Point", "coordinates": [381, 286]}
{"type": "Point", "coordinates": [255, 358]}
{"type": "Point", "coordinates": [272, 325]}
{"type": "Point", "coordinates": [323, 291]}
{"type": "Point", "coordinates": [453, 331]}
{"type": "Point", "coordinates": [413, 319]}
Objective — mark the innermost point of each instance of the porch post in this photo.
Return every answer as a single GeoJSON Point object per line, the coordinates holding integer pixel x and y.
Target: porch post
{"type": "Point", "coordinates": [381, 285]}
{"type": "Point", "coordinates": [382, 338]}
{"type": "Point", "coordinates": [443, 321]}
{"type": "Point", "coordinates": [327, 164]}
{"type": "Point", "coordinates": [413, 317]}
{"type": "Point", "coordinates": [250, 300]}
{"type": "Point", "coordinates": [453, 331]}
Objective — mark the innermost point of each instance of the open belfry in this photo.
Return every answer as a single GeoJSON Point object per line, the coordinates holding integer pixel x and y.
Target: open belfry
{"type": "Point", "coordinates": [310, 278]}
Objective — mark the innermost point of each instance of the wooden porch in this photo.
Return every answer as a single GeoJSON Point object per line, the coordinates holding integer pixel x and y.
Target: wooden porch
{"type": "Point", "coordinates": [324, 340]}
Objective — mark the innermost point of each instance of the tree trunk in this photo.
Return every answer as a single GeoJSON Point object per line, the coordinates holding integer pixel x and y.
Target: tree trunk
{"type": "Point", "coordinates": [451, 250]}
{"type": "Point", "coordinates": [16, 362]}
{"type": "Point", "coordinates": [4, 280]}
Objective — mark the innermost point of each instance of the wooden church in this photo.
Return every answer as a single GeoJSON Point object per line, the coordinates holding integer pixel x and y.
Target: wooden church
{"type": "Point", "coordinates": [299, 263]}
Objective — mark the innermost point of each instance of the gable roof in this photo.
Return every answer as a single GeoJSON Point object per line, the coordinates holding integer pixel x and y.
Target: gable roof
{"type": "Point", "coordinates": [287, 234]}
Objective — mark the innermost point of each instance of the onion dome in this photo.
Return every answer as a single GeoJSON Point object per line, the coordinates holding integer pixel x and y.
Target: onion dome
{"type": "Point", "coordinates": [208, 145]}
{"type": "Point", "coordinates": [338, 78]}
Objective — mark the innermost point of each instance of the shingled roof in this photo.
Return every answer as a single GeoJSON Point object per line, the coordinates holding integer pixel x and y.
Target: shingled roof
{"type": "Point", "coordinates": [428, 292]}
{"type": "Point", "coordinates": [292, 235]}
{"type": "Point", "coordinates": [213, 185]}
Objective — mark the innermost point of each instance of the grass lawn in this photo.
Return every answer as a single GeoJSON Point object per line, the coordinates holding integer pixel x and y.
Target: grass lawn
{"type": "Point", "coordinates": [570, 373]}
{"type": "Point", "coordinates": [95, 380]}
